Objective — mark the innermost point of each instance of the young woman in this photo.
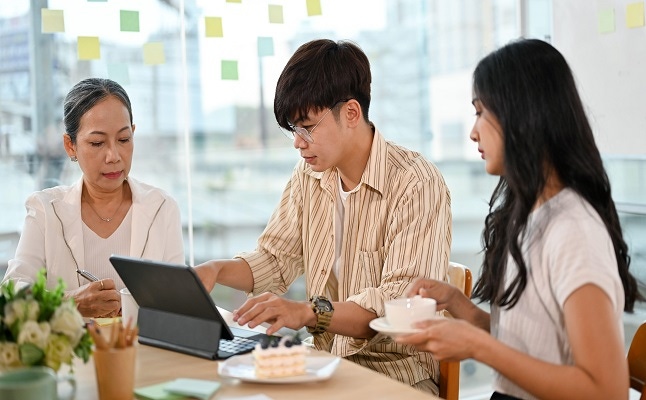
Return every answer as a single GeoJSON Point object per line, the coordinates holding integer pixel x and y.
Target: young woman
{"type": "Point", "coordinates": [76, 228]}
{"type": "Point", "coordinates": [555, 269]}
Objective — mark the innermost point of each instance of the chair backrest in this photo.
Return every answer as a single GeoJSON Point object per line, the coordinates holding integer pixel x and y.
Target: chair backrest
{"type": "Point", "coordinates": [637, 361]}
{"type": "Point", "coordinates": [459, 276]}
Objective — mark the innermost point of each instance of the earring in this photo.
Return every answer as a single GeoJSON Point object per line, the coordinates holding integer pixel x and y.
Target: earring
{"type": "Point", "coordinates": [73, 159]}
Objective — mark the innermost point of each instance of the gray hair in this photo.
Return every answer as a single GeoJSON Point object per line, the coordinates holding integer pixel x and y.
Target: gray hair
{"type": "Point", "coordinates": [85, 95]}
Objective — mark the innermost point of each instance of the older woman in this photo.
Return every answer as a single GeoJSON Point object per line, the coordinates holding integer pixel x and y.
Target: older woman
{"type": "Point", "coordinates": [76, 228]}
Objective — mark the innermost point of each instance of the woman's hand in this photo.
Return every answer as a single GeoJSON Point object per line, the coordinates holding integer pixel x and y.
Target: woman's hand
{"type": "Point", "coordinates": [97, 299]}
{"type": "Point", "coordinates": [443, 293]}
{"type": "Point", "coordinates": [446, 338]}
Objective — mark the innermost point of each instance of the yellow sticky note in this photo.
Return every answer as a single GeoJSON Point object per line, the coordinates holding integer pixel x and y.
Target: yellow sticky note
{"type": "Point", "coordinates": [88, 48]}
{"type": "Point", "coordinates": [275, 14]}
{"type": "Point", "coordinates": [52, 20]}
{"type": "Point", "coordinates": [606, 21]}
{"type": "Point", "coordinates": [234, 1]}
{"type": "Point", "coordinates": [635, 15]}
{"type": "Point", "coordinates": [213, 26]}
{"type": "Point", "coordinates": [230, 70]}
{"type": "Point", "coordinates": [154, 53]}
{"type": "Point", "coordinates": [314, 7]}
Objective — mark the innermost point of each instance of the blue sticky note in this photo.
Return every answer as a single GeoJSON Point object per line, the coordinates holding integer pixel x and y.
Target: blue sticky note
{"type": "Point", "coordinates": [265, 46]}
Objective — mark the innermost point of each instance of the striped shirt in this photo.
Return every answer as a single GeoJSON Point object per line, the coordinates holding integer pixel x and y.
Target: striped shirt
{"type": "Point", "coordinates": [397, 227]}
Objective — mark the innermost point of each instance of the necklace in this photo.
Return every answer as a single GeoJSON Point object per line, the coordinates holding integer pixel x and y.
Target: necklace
{"type": "Point", "coordinates": [109, 218]}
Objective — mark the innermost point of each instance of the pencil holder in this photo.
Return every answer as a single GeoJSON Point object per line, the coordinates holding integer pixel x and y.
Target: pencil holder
{"type": "Point", "coordinates": [115, 372]}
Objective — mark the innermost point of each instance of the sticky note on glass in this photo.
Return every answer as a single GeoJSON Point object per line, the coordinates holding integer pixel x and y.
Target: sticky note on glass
{"type": "Point", "coordinates": [154, 53]}
{"type": "Point", "coordinates": [119, 73]}
{"type": "Point", "coordinates": [314, 7]}
{"type": "Point", "coordinates": [213, 26]}
{"type": "Point", "coordinates": [635, 15]}
{"type": "Point", "coordinates": [88, 48]}
{"type": "Point", "coordinates": [234, 1]}
{"type": "Point", "coordinates": [52, 20]}
{"type": "Point", "coordinates": [129, 21]}
{"type": "Point", "coordinates": [265, 46]}
{"type": "Point", "coordinates": [275, 14]}
{"type": "Point", "coordinates": [606, 20]}
{"type": "Point", "coordinates": [229, 70]}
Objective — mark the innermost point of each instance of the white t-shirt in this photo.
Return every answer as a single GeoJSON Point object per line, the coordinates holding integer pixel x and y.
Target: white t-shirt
{"type": "Point", "coordinates": [566, 246]}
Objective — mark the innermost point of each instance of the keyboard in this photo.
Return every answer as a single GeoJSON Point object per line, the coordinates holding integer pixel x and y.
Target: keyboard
{"type": "Point", "coordinates": [238, 345]}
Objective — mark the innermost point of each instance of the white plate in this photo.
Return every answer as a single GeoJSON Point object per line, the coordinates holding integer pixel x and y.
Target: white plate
{"type": "Point", "coordinates": [241, 367]}
{"type": "Point", "coordinates": [381, 325]}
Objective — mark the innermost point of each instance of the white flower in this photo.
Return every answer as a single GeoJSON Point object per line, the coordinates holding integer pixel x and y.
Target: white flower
{"type": "Point", "coordinates": [21, 310]}
{"type": "Point", "coordinates": [9, 356]}
{"type": "Point", "coordinates": [68, 321]}
{"type": "Point", "coordinates": [58, 351]}
{"type": "Point", "coordinates": [35, 333]}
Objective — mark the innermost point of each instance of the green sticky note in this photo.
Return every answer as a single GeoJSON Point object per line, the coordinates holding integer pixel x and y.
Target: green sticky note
{"type": "Point", "coordinates": [229, 70]}
{"type": "Point", "coordinates": [275, 14]}
{"type": "Point", "coordinates": [314, 7]}
{"type": "Point", "coordinates": [213, 26]}
{"type": "Point", "coordinates": [129, 21]}
{"type": "Point", "coordinates": [119, 73]}
{"type": "Point", "coordinates": [265, 46]}
{"type": "Point", "coordinates": [154, 53]}
{"type": "Point", "coordinates": [234, 1]}
{"type": "Point", "coordinates": [635, 15]}
{"type": "Point", "coordinates": [156, 392]}
{"type": "Point", "coordinates": [88, 48]}
{"type": "Point", "coordinates": [52, 20]}
{"type": "Point", "coordinates": [606, 20]}
{"type": "Point", "coordinates": [198, 388]}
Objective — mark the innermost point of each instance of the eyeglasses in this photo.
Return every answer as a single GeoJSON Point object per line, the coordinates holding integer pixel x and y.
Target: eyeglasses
{"type": "Point", "coordinates": [304, 133]}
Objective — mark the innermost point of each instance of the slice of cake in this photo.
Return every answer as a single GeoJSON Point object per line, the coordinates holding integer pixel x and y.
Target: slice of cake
{"type": "Point", "coordinates": [279, 357]}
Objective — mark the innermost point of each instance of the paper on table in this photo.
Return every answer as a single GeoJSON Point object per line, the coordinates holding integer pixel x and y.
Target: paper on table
{"type": "Point", "coordinates": [156, 392]}
{"type": "Point", "coordinates": [200, 388]}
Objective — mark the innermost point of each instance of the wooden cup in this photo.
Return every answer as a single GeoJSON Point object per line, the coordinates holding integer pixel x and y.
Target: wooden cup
{"type": "Point", "coordinates": [115, 372]}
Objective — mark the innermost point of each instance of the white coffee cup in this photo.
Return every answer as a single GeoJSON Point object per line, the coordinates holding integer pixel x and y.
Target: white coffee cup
{"type": "Point", "coordinates": [403, 313]}
{"type": "Point", "coordinates": [129, 307]}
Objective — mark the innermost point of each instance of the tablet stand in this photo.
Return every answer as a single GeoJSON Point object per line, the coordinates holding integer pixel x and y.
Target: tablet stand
{"type": "Point", "coordinates": [177, 332]}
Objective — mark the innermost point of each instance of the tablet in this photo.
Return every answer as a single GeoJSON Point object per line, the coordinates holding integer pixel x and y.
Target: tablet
{"type": "Point", "coordinates": [176, 311]}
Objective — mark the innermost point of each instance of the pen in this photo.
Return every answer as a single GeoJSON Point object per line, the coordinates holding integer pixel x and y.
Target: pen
{"type": "Point", "coordinates": [87, 275]}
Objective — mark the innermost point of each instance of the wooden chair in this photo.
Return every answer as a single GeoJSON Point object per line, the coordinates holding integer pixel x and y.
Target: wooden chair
{"type": "Point", "coordinates": [637, 361]}
{"type": "Point", "coordinates": [460, 276]}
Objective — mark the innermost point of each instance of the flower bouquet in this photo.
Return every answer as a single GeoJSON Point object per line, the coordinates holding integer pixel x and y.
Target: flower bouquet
{"type": "Point", "coordinates": [40, 327]}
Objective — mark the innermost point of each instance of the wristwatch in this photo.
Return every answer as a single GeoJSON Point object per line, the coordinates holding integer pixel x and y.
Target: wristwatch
{"type": "Point", "coordinates": [323, 309]}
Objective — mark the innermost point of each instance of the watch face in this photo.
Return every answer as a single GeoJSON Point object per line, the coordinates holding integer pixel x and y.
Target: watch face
{"type": "Point", "coordinates": [323, 305]}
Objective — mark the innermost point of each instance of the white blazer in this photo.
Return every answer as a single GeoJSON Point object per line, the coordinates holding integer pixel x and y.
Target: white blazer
{"type": "Point", "coordinates": [52, 235]}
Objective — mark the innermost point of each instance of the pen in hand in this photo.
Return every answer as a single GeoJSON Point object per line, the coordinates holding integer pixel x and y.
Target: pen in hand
{"type": "Point", "coordinates": [87, 275]}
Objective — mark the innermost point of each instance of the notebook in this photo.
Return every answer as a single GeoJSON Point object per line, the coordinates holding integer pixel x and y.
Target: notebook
{"type": "Point", "coordinates": [177, 313]}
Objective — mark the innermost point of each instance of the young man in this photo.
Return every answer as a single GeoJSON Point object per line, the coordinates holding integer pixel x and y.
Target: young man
{"type": "Point", "coordinates": [360, 217]}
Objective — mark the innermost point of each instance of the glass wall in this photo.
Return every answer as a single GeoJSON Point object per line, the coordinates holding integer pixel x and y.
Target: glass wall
{"type": "Point", "coordinates": [201, 75]}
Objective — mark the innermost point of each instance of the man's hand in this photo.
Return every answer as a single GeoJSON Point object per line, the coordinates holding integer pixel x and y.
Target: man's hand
{"type": "Point", "coordinates": [276, 311]}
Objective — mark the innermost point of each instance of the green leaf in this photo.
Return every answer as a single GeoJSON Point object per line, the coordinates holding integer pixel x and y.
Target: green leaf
{"type": "Point", "coordinates": [30, 354]}
{"type": "Point", "coordinates": [84, 348]}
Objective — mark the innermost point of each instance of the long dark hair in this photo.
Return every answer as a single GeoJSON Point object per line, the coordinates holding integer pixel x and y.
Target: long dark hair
{"type": "Point", "coordinates": [529, 87]}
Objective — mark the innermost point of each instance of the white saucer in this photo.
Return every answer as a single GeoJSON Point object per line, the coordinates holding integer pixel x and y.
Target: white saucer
{"type": "Point", "coordinates": [242, 367]}
{"type": "Point", "coordinates": [381, 325]}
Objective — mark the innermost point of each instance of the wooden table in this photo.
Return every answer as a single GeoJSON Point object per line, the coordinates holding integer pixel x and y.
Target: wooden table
{"type": "Point", "coordinates": [349, 381]}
